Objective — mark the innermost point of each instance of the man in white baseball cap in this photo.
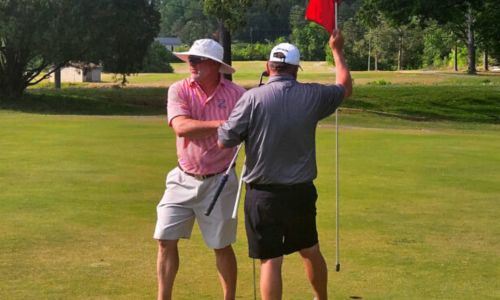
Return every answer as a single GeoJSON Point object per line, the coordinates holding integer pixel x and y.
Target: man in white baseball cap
{"type": "Point", "coordinates": [277, 122]}
{"type": "Point", "coordinates": [196, 107]}
{"type": "Point", "coordinates": [285, 53]}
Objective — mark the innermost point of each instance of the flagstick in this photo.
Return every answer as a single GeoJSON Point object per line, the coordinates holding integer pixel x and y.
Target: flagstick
{"type": "Point", "coordinates": [336, 15]}
{"type": "Point", "coordinates": [337, 174]}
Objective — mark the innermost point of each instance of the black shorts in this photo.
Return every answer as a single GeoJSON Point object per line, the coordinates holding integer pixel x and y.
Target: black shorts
{"type": "Point", "coordinates": [280, 219]}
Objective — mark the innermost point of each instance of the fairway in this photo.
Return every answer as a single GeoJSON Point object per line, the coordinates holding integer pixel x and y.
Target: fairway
{"type": "Point", "coordinates": [419, 211]}
{"type": "Point", "coordinates": [83, 168]}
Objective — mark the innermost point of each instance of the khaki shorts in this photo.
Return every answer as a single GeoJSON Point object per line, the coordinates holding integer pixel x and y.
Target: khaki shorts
{"type": "Point", "coordinates": [186, 199]}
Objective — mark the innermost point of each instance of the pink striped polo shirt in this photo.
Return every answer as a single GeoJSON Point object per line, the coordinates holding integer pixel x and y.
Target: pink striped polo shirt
{"type": "Point", "coordinates": [202, 156]}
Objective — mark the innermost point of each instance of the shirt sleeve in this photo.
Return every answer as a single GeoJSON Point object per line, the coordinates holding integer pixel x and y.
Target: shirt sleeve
{"type": "Point", "coordinates": [331, 98]}
{"type": "Point", "coordinates": [235, 129]}
{"type": "Point", "coordinates": [177, 104]}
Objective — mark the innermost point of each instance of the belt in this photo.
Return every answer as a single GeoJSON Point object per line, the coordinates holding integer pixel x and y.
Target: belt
{"type": "Point", "coordinates": [279, 187]}
{"type": "Point", "coordinates": [203, 177]}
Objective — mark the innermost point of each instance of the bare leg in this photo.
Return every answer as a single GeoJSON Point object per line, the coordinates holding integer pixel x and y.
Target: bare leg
{"type": "Point", "coordinates": [316, 270]}
{"type": "Point", "coordinates": [271, 287]}
{"type": "Point", "coordinates": [226, 266]}
{"type": "Point", "coordinates": [166, 267]}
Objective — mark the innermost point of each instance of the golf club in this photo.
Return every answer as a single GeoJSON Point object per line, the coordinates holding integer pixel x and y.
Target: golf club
{"type": "Point", "coordinates": [222, 183]}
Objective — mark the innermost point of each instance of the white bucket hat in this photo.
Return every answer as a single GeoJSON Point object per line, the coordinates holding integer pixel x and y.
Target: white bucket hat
{"type": "Point", "coordinates": [286, 53]}
{"type": "Point", "coordinates": [210, 49]}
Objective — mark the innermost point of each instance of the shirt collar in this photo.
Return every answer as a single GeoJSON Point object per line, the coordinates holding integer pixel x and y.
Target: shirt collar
{"type": "Point", "coordinates": [281, 77]}
{"type": "Point", "coordinates": [193, 83]}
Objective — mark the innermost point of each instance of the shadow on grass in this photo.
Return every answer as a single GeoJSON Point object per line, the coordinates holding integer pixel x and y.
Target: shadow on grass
{"type": "Point", "coordinates": [480, 104]}
{"type": "Point", "coordinates": [90, 101]}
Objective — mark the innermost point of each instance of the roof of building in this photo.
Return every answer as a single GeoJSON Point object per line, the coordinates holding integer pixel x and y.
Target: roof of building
{"type": "Point", "coordinates": [169, 41]}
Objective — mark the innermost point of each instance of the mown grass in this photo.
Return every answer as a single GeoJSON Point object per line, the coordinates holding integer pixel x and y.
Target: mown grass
{"type": "Point", "coordinates": [83, 168]}
{"type": "Point", "coordinates": [78, 193]}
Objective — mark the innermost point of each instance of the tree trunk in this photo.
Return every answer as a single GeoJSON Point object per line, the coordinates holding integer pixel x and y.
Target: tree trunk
{"type": "Point", "coordinates": [12, 83]}
{"type": "Point", "coordinates": [455, 58]}
{"type": "Point", "coordinates": [57, 78]}
{"type": "Point", "coordinates": [369, 52]}
{"type": "Point", "coordinates": [376, 61]}
{"type": "Point", "coordinates": [486, 65]}
{"type": "Point", "coordinates": [11, 90]}
{"type": "Point", "coordinates": [471, 46]}
{"type": "Point", "coordinates": [400, 52]}
{"type": "Point", "coordinates": [225, 40]}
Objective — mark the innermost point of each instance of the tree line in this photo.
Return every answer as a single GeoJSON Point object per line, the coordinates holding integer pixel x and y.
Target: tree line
{"type": "Point", "coordinates": [39, 36]}
{"type": "Point", "coordinates": [381, 34]}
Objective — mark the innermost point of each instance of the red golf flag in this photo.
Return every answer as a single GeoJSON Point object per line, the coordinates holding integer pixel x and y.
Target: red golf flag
{"type": "Point", "coordinates": [322, 12]}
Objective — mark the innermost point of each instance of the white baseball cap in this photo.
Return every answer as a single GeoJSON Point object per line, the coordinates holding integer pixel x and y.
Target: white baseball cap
{"type": "Point", "coordinates": [286, 53]}
{"type": "Point", "coordinates": [210, 49]}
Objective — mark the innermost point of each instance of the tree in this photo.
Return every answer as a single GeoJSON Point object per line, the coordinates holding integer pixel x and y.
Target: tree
{"type": "Point", "coordinates": [38, 34]}
{"type": "Point", "coordinates": [157, 59]}
{"type": "Point", "coordinates": [488, 30]}
{"type": "Point", "coordinates": [186, 20]}
{"type": "Point", "coordinates": [438, 43]}
{"type": "Point", "coordinates": [230, 15]}
{"type": "Point", "coordinates": [268, 20]}
{"type": "Point", "coordinates": [461, 16]}
{"type": "Point", "coordinates": [132, 27]}
{"type": "Point", "coordinates": [380, 36]}
{"type": "Point", "coordinates": [356, 47]}
{"type": "Point", "coordinates": [309, 37]}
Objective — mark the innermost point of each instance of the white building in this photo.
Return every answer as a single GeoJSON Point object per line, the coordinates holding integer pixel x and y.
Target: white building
{"type": "Point", "coordinates": [80, 73]}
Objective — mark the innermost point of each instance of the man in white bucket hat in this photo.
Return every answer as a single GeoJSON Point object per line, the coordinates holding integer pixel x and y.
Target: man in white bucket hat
{"type": "Point", "coordinates": [196, 107]}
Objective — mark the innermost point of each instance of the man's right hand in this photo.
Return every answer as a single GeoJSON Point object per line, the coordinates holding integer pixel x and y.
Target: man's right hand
{"type": "Point", "coordinates": [342, 76]}
{"type": "Point", "coordinates": [336, 41]}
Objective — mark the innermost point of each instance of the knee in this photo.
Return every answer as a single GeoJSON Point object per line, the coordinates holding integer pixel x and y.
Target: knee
{"type": "Point", "coordinates": [273, 263]}
{"type": "Point", "coordinates": [228, 250]}
{"type": "Point", "coordinates": [313, 251]}
{"type": "Point", "coordinates": [166, 247]}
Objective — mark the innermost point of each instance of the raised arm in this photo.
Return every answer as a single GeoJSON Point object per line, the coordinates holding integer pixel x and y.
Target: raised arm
{"type": "Point", "coordinates": [343, 76]}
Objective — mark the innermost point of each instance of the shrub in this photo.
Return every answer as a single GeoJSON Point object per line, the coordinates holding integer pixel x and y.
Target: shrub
{"type": "Point", "coordinates": [247, 51]}
{"type": "Point", "coordinates": [158, 59]}
{"type": "Point", "coordinates": [379, 82]}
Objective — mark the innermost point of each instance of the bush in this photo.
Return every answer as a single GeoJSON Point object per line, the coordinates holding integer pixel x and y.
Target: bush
{"type": "Point", "coordinates": [158, 59]}
{"type": "Point", "coordinates": [256, 51]}
{"type": "Point", "coordinates": [379, 82]}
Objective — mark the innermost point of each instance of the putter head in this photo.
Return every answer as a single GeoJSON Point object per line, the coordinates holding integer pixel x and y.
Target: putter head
{"type": "Point", "coordinates": [337, 268]}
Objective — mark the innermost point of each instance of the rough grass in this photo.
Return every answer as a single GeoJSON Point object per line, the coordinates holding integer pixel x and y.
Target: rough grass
{"type": "Point", "coordinates": [413, 95]}
{"type": "Point", "coordinates": [248, 74]}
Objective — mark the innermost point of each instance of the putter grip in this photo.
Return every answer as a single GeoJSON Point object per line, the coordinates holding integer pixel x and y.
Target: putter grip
{"type": "Point", "coordinates": [217, 193]}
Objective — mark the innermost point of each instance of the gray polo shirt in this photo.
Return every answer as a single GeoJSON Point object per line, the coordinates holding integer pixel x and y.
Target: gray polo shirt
{"type": "Point", "coordinates": [278, 122]}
